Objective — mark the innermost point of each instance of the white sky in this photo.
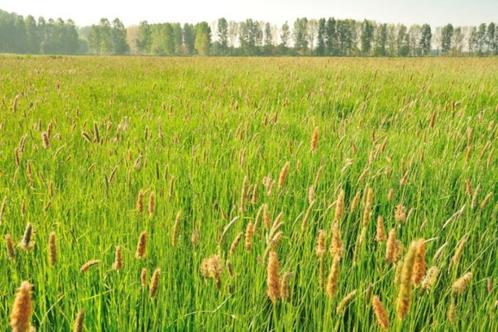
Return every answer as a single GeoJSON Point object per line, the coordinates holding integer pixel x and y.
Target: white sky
{"type": "Point", "coordinates": [434, 12]}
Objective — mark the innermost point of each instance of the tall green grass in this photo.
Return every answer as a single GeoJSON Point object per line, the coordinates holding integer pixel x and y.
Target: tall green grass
{"type": "Point", "coordinates": [190, 130]}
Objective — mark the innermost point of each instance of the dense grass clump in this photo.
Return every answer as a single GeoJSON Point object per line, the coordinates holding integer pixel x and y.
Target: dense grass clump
{"type": "Point", "coordinates": [210, 194]}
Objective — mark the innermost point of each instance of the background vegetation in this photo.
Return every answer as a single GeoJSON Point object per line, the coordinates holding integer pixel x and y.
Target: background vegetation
{"type": "Point", "coordinates": [323, 37]}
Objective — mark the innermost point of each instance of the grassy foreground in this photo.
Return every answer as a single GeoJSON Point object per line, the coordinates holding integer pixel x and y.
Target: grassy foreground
{"type": "Point", "coordinates": [220, 144]}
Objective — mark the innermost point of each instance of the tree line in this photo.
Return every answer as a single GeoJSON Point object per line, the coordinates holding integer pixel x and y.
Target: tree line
{"type": "Point", "coordinates": [310, 37]}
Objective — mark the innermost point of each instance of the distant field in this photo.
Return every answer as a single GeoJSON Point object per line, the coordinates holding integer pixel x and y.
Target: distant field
{"type": "Point", "coordinates": [203, 154]}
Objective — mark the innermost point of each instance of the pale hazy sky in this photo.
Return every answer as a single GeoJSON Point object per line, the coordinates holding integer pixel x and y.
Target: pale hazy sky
{"type": "Point", "coordinates": [434, 12]}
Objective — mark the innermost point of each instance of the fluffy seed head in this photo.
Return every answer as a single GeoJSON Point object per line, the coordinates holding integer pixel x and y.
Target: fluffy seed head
{"type": "Point", "coordinates": [9, 243]}
{"type": "Point", "coordinates": [118, 259]}
{"type": "Point", "coordinates": [52, 249]}
{"type": "Point", "coordinates": [461, 283]}
{"type": "Point", "coordinates": [314, 140]}
{"type": "Point", "coordinates": [419, 267]}
{"type": "Point", "coordinates": [339, 207]}
{"type": "Point", "coordinates": [355, 202]}
{"type": "Point", "coordinates": [391, 246]}
{"type": "Point", "coordinates": [154, 282]}
{"type": "Point", "coordinates": [333, 278]}
{"type": "Point", "coordinates": [235, 243]}
{"type": "Point", "coordinates": [141, 246]}
{"type": "Point", "coordinates": [320, 244]}
{"type": "Point", "coordinates": [273, 277]}
{"type": "Point", "coordinates": [405, 288]}
{"type": "Point", "coordinates": [249, 236]}
{"type": "Point", "coordinates": [400, 213]}
{"type": "Point", "coordinates": [345, 301]}
{"type": "Point", "coordinates": [152, 203]}
{"type": "Point", "coordinates": [143, 278]}
{"type": "Point", "coordinates": [27, 242]}
{"type": "Point", "coordinates": [176, 229]}
{"type": "Point", "coordinates": [20, 317]}
{"type": "Point", "coordinates": [380, 313]}
{"type": "Point", "coordinates": [78, 322]}
{"type": "Point", "coordinates": [458, 251]}
{"type": "Point", "coordinates": [283, 175]}
{"type": "Point", "coordinates": [285, 286]}
{"type": "Point", "coordinates": [336, 247]}
{"type": "Point", "coordinates": [85, 267]}
{"type": "Point", "coordinates": [139, 205]}
{"type": "Point", "coordinates": [45, 140]}
{"type": "Point", "coordinates": [212, 267]}
{"type": "Point", "coordinates": [430, 278]}
{"type": "Point", "coordinates": [380, 235]}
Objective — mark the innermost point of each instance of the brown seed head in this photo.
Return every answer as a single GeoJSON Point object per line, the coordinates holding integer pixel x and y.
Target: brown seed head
{"type": "Point", "coordinates": [381, 233]}
{"type": "Point", "coordinates": [154, 282]}
{"type": "Point", "coordinates": [78, 322]}
{"type": "Point", "coordinates": [461, 283]}
{"type": "Point", "coordinates": [249, 236]}
{"type": "Point", "coordinates": [85, 267]}
{"type": "Point", "coordinates": [283, 175]}
{"type": "Point", "coordinates": [405, 288]}
{"type": "Point", "coordinates": [273, 277]}
{"type": "Point", "coordinates": [52, 249]}
{"type": "Point", "coordinates": [20, 318]}
{"type": "Point", "coordinates": [333, 278]}
{"type": "Point", "coordinates": [141, 246]}
{"type": "Point", "coordinates": [152, 203]}
{"type": "Point", "coordinates": [9, 243]}
{"type": "Point", "coordinates": [118, 259]}
{"type": "Point", "coordinates": [380, 313]}
{"type": "Point", "coordinates": [419, 267]}
{"type": "Point", "coordinates": [314, 140]}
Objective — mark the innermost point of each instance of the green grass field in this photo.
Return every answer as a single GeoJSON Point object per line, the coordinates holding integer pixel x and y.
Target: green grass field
{"type": "Point", "coordinates": [81, 137]}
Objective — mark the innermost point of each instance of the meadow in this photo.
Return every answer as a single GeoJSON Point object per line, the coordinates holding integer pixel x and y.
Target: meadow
{"type": "Point", "coordinates": [261, 194]}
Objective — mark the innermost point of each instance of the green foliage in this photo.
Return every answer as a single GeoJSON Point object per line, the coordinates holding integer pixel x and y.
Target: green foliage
{"type": "Point", "coordinates": [190, 130]}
